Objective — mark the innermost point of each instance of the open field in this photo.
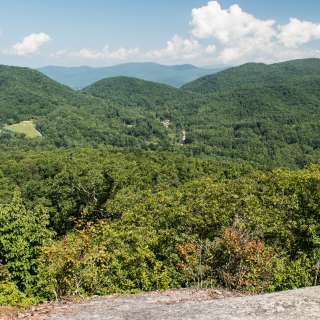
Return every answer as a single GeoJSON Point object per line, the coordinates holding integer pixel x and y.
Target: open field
{"type": "Point", "coordinates": [28, 128]}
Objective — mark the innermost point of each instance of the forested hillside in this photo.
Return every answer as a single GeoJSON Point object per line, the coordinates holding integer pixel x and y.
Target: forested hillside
{"type": "Point", "coordinates": [144, 97]}
{"type": "Point", "coordinates": [67, 118]}
{"type": "Point", "coordinates": [134, 92]}
{"type": "Point", "coordinates": [266, 113]}
{"type": "Point", "coordinates": [131, 185]}
{"type": "Point", "coordinates": [261, 113]}
{"type": "Point", "coordinates": [100, 221]}
{"type": "Point", "coordinates": [257, 75]}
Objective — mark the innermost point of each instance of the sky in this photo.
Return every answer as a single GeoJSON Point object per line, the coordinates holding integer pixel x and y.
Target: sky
{"type": "Point", "coordinates": [36, 33]}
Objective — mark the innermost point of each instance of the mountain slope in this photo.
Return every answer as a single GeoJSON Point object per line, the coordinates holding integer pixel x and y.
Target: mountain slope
{"type": "Point", "coordinates": [26, 93]}
{"type": "Point", "coordinates": [80, 77]}
{"type": "Point", "coordinates": [145, 97]}
{"type": "Point", "coordinates": [68, 118]}
{"type": "Point", "coordinates": [252, 75]}
{"type": "Point", "coordinates": [134, 92]}
{"type": "Point", "coordinates": [267, 114]}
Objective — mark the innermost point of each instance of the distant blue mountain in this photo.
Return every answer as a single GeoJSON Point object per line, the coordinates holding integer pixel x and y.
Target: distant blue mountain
{"type": "Point", "coordinates": [80, 77]}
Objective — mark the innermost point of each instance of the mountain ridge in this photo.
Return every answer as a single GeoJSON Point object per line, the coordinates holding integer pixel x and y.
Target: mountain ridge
{"type": "Point", "coordinates": [82, 76]}
{"type": "Point", "coordinates": [256, 74]}
{"type": "Point", "coordinates": [265, 114]}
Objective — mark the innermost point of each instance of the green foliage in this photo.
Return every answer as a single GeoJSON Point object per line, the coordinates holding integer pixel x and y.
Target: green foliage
{"type": "Point", "coordinates": [132, 221]}
{"type": "Point", "coordinates": [103, 260]}
{"type": "Point", "coordinates": [22, 234]}
{"type": "Point", "coordinates": [265, 114]}
{"type": "Point", "coordinates": [257, 75]}
{"type": "Point", "coordinates": [11, 296]}
{"type": "Point", "coordinates": [101, 219]}
{"type": "Point", "coordinates": [290, 274]}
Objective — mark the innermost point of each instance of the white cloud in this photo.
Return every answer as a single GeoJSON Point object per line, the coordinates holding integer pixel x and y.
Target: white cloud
{"type": "Point", "coordinates": [31, 44]}
{"type": "Point", "coordinates": [177, 47]}
{"type": "Point", "coordinates": [239, 34]}
{"type": "Point", "coordinates": [242, 37]}
{"type": "Point", "coordinates": [211, 48]}
{"type": "Point", "coordinates": [89, 54]}
{"type": "Point", "coordinates": [229, 25]}
{"type": "Point", "coordinates": [220, 35]}
{"type": "Point", "coordinates": [103, 55]}
{"type": "Point", "coordinates": [123, 53]}
{"type": "Point", "coordinates": [297, 33]}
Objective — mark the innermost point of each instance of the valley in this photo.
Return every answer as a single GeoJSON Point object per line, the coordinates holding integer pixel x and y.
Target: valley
{"type": "Point", "coordinates": [159, 160]}
{"type": "Point", "coordinates": [258, 113]}
{"type": "Point", "coordinates": [129, 186]}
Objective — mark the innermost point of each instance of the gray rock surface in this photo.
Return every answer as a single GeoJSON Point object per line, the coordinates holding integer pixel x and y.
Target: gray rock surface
{"type": "Point", "coordinates": [194, 304]}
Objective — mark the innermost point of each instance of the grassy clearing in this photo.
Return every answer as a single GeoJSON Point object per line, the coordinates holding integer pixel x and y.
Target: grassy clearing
{"type": "Point", "coordinates": [28, 128]}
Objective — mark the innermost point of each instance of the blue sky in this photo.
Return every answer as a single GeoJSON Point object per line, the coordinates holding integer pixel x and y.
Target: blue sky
{"type": "Point", "coordinates": [105, 32]}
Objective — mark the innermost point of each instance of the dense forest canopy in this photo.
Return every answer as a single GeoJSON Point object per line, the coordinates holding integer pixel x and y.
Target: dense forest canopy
{"type": "Point", "coordinates": [266, 114]}
{"type": "Point", "coordinates": [132, 185]}
{"type": "Point", "coordinates": [253, 75]}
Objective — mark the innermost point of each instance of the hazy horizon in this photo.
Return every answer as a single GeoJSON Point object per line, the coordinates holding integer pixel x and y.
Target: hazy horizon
{"type": "Point", "coordinates": [199, 32]}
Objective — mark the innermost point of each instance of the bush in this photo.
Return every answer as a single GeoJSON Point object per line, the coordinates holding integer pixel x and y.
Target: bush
{"type": "Point", "coordinates": [10, 295]}
{"type": "Point", "coordinates": [240, 262]}
{"type": "Point", "coordinates": [288, 274]}
{"type": "Point", "coordinates": [100, 260]}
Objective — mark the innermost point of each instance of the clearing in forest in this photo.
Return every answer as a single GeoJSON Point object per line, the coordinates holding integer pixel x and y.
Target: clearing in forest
{"type": "Point", "coordinates": [28, 128]}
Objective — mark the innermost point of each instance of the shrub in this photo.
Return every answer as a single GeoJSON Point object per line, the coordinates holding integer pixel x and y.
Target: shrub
{"type": "Point", "coordinates": [101, 260]}
{"type": "Point", "coordinates": [10, 295]}
{"type": "Point", "coordinates": [243, 263]}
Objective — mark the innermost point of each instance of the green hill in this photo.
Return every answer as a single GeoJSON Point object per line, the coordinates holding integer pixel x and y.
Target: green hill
{"type": "Point", "coordinates": [144, 97]}
{"type": "Point", "coordinates": [253, 75]}
{"type": "Point", "coordinates": [137, 186]}
{"type": "Point", "coordinates": [267, 114]}
{"type": "Point", "coordinates": [68, 118]}
{"type": "Point", "coordinates": [262, 113]}
{"type": "Point", "coordinates": [133, 91]}
{"type": "Point", "coordinates": [25, 93]}
{"type": "Point", "coordinates": [257, 112]}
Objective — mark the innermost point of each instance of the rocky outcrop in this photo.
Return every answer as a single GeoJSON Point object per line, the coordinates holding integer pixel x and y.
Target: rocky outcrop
{"type": "Point", "coordinates": [194, 304]}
